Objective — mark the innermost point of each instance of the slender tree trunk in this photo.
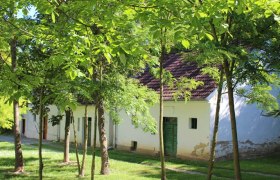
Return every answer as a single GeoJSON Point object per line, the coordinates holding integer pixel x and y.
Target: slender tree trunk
{"type": "Point", "coordinates": [228, 73]}
{"type": "Point", "coordinates": [94, 145]}
{"type": "Point", "coordinates": [41, 118]}
{"type": "Point", "coordinates": [17, 139]}
{"type": "Point", "coordinates": [76, 143]}
{"type": "Point", "coordinates": [161, 142]}
{"type": "Point", "coordinates": [103, 140]}
{"type": "Point", "coordinates": [82, 173]}
{"type": "Point", "coordinates": [67, 135]}
{"type": "Point", "coordinates": [216, 127]}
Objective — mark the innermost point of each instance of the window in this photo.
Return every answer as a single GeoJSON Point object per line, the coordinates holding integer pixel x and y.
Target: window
{"type": "Point", "coordinates": [133, 145]}
{"type": "Point", "coordinates": [193, 123]}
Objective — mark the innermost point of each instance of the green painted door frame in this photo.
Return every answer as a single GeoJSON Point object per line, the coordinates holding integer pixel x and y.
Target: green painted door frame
{"type": "Point", "coordinates": [170, 136]}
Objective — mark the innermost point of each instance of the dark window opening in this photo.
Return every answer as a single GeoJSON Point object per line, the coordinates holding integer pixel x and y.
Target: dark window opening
{"type": "Point", "coordinates": [193, 123]}
{"type": "Point", "coordinates": [133, 145]}
{"type": "Point", "coordinates": [23, 127]}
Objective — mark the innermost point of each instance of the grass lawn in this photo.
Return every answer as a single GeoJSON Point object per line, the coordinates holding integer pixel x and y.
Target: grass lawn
{"type": "Point", "coordinates": [126, 165]}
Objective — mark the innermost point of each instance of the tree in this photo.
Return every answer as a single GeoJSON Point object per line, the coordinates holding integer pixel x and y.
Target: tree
{"type": "Point", "coordinates": [18, 150]}
{"type": "Point", "coordinates": [68, 113]}
{"type": "Point", "coordinates": [94, 144]}
{"type": "Point", "coordinates": [226, 31]}
{"type": "Point", "coordinates": [76, 143]}
{"type": "Point", "coordinates": [82, 172]}
{"type": "Point", "coordinates": [8, 12]}
{"type": "Point", "coordinates": [101, 45]}
{"type": "Point", "coordinates": [216, 127]}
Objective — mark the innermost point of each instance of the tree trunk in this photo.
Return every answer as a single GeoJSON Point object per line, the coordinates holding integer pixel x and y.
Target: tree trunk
{"type": "Point", "coordinates": [103, 140]}
{"type": "Point", "coordinates": [228, 73]}
{"type": "Point", "coordinates": [18, 151]}
{"type": "Point", "coordinates": [19, 167]}
{"type": "Point", "coordinates": [41, 118]}
{"type": "Point", "coordinates": [161, 142]}
{"type": "Point", "coordinates": [67, 135]}
{"type": "Point", "coordinates": [76, 143]}
{"type": "Point", "coordinates": [216, 127]}
{"type": "Point", "coordinates": [82, 173]}
{"type": "Point", "coordinates": [94, 145]}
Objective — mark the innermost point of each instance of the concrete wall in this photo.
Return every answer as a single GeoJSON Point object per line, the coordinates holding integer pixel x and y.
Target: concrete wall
{"type": "Point", "coordinates": [192, 143]}
{"type": "Point", "coordinates": [56, 133]}
{"type": "Point", "coordinates": [257, 134]}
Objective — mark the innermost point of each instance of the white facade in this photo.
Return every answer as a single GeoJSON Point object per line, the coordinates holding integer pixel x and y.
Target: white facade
{"type": "Point", "coordinates": [257, 134]}
{"type": "Point", "coordinates": [57, 132]}
{"type": "Point", "coordinates": [190, 142]}
{"type": "Point", "coordinates": [32, 125]}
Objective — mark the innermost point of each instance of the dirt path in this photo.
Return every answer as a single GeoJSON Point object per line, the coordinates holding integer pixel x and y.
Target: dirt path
{"type": "Point", "coordinates": [265, 175]}
{"type": "Point", "coordinates": [24, 140]}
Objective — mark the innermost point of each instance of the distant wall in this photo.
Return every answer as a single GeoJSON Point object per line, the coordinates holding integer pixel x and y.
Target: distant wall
{"type": "Point", "coordinates": [57, 132]}
{"type": "Point", "coordinates": [32, 125]}
{"type": "Point", "coordinates": [257, 134]}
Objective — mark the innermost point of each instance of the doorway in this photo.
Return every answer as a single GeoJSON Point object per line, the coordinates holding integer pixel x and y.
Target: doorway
{"type": "Point", "coordinates": [45, 127]}
{"type": "Point", "coordinates": [170, 136]}
{"type": "Point", "coordinates": [23, 126]}
{"type": "Point", "coordinates": [89, 131]}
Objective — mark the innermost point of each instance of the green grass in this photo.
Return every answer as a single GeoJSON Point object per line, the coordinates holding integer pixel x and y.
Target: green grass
{"type": "Point", "coordinates": [125, 165]}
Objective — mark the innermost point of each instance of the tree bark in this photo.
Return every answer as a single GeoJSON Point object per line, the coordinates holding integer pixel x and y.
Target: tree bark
{"type": "Point", "coordinates": [103, 140]}
{"type": "Point", "coordinates": [82, 173]}
{"type": "Point", "coordinates": [161, 142]}
{"type": "Point", "coordinates": [76, 143]}
{"type": "Point", "coordinates": [18, 151]}
{"type": "Point", "coordinates": [19, 167]}
{"type": "Point", "coordinates": [228, 73]}
{"type": "Point", "coordinates": [67, 135]}
{"type": "Point", "coordinates": [41, 118]}
{"type": "Point", "coordinates": [94, 145]}
{"type": "Point", "coordinates": [216, 127]}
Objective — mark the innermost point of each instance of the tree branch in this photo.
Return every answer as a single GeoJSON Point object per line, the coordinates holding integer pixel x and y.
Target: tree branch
{"type": "Point", "coordinates": [15, 26]}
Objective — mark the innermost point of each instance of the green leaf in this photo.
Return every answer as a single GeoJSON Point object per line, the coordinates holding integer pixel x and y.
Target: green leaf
{"type": "Point", "coordinates": [186, 43]}
{"type": "Point", "coordinates": [90, 70]}
{"type": "Point", "coordinates": [122, 58]}
{"type": "Point", "coordinates": [53, 17]}
{"type": "Point", "coordinates": [209, 36]}
{"type": "Point", "coordinates": [202, 14]}
{"type": "Point", "coordinates": [268, 13]}
{"type": "Point", "coordinates": [108, 57]}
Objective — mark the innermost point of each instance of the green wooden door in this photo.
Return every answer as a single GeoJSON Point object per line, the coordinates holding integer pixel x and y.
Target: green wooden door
{"type": "Point", "coordinates": [170, 136]}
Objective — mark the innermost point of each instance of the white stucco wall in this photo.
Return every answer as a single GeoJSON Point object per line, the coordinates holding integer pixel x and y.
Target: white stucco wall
{"type": "Point", "coordinates": [56, 133]}
{"type": "Point", "coordinates": [192, 143]}
{"type": "Point", "coordinates": [79, 113]}
{"type": "Point", "coordinates": [257, 134]}
{"type": "Point", "coordinates": [32, 125]}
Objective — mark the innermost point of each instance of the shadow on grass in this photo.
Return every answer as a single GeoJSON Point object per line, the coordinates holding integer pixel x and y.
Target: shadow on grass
{"type": "Point", "coordinates": [7, 168]}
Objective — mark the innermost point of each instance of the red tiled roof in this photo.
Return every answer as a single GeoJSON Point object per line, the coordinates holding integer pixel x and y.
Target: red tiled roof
{"type": "Point", "coordinates": [175, 64]}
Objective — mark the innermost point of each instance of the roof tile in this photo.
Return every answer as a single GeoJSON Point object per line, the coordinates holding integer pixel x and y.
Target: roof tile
{"type": "Point", "coordinates": [174, 63]}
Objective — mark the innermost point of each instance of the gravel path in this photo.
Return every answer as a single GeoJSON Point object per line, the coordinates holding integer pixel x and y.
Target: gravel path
{"type": "Point", "coordinates": [24, 140]}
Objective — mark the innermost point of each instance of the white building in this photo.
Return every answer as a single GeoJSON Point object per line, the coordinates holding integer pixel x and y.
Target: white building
{"type": "Point", "coordinates": [188, 126]}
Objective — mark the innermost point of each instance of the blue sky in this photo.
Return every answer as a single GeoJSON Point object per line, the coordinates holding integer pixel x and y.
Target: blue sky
{"type": "Point", "coordinates": [31, 12]}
